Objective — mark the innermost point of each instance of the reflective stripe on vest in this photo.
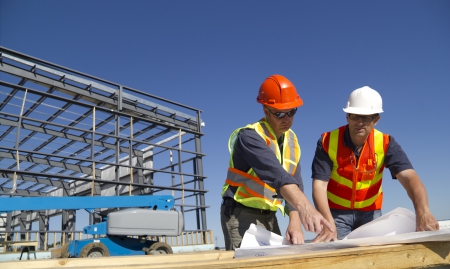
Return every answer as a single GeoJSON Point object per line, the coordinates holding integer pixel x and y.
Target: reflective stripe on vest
{"type": "Point", "coordinates": [253, 186]}
{"type": "Point", "coordinates": [355, 184]}
{"type": "Point", "coordinates": [251, 190]}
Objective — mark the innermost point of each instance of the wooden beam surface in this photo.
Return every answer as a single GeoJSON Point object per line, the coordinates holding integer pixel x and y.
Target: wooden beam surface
{"type": "Point", "coordinates": [19, 243]}
{"type": "Point", "coordinates": [419, 255]}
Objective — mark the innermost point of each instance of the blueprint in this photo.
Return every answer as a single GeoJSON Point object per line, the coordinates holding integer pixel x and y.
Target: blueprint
{"type": "Point", "coordinates": [395, 227]}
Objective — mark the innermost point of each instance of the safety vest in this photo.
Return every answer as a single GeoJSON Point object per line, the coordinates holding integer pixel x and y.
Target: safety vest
{"type": "Point", "coordinates": [355, 184]}
{"type": "Point", "coordinates": [251, 191]}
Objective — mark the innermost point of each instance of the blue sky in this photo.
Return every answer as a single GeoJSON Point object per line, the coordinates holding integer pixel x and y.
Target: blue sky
{"type": "Point", "coordinates": [213, 55]}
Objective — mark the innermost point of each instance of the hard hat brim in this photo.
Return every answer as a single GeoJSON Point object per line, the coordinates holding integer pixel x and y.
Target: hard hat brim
{"type": "Point", "coordinates": [362, 111]}
{"type": "Point", "coordinates": [280, 106]}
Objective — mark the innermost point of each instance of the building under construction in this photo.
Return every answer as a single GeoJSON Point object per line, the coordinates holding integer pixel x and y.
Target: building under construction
{"type": "Point", "coordinates": [66, 133]}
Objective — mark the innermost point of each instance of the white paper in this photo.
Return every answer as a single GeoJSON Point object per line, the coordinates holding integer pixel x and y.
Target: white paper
{"type": "Point", "coordinates": [397, 221]}
{"type": "Point", "coordinates": [415, 237]}
{"type": "Point", "coordinates": [395, 227]}
{"type": "Point", "coordinates": [257, 236]}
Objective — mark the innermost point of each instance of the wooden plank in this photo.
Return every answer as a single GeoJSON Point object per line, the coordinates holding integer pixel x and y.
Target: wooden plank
{"type": "Point", "coordinates": [419, 255]}
{"type": "Point", "coordinates": [19, 243]}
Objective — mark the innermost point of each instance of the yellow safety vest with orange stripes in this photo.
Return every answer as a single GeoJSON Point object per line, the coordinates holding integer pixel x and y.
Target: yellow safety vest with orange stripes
{"type": "Point", "coordinates": [251, 191]}
{"type": "Point", "coordinates": [355, 184]}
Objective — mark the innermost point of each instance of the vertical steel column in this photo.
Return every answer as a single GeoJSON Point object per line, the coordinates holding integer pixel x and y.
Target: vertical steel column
{"type": "Point", "coordinates": [64, 222]}
{"type": "Point", "coordinates": [180, 170]}
{"type": "Point", "coordinates": [172, 169]}
{"type": "Point", "coordinates": [65, 226]}
{"type": "Point", "coordinates": [148, 178]}
{"type": "Point", "coordinates": [43, 227]}
{"type": "Point", "coordinates": [19, 125]}
{"type": "Point", "coordinates": [8, 229]}
{"type": "Point", "coordinates": [201, 186]}
{"type": "Point", "coordinates": [23, 224]}
{"type": "Point", "coordinates": [197, 198]}
{"type": "Point", "coordinates": [92, 153]}
{"type": "Point", "coordinates": [139, 163]}
{"type": "Point", "coordinates": [130, 155]}
{"type": "Point", "coordinates": [117, 133]}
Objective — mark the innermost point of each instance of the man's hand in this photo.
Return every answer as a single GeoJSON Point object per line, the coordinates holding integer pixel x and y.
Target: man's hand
{"type": "Point", "coordinates": [321, 202]}
{"type": "Point", "coordinates": [426, 222]}
{"type": "Point", "coordinates": [311, 219]}
{"type": "Point", "coordinates": [326, 235]}
{"type": "Point", "coordinates": [294, 233]}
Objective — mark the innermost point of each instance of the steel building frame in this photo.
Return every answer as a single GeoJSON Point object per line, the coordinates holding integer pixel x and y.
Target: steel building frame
{"type": "Point", "coordinates": [66, 133]}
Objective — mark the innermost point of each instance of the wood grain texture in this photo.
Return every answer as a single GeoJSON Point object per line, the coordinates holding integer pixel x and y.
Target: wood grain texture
{"type": "Point", "coordinates": [420, 255]}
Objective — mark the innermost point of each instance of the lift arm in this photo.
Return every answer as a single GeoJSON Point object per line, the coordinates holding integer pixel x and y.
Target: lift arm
{"type": "Point", "coordinates": [159, 202]}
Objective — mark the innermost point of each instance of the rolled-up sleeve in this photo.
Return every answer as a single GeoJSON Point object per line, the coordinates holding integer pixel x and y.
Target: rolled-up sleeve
{"type": "Point", "coordinates": [396, 159]}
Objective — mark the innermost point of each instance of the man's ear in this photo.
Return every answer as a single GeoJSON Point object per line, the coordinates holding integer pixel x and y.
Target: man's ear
{"type": "Point", "coordinates": [377, 119]}
{"type": "Point", "coordinates": [265, 111]}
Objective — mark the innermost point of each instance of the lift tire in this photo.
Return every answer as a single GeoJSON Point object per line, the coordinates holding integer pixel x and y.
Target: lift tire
{"type": "Point", "coordinates": [158, 248]}
{"type": "Point", "coordinates": [94, 250]}
{"type": "Point", "coordinates": [65, 251]}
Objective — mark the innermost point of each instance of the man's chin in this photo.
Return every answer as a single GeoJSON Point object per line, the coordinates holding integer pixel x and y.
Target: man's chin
{"type": "Point", "coordinates": [364, 133]}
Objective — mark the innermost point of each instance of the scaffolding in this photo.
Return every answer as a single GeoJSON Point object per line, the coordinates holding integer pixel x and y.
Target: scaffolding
{"type": "Point", "coordinates": [66, 133]}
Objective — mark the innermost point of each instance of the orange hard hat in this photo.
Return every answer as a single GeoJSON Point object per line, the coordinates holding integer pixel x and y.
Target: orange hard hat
{"type": "Point", "coordinates": [278, 92]}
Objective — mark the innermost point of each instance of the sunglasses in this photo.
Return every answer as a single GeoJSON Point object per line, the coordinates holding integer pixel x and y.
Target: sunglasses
{"type": "Point", "coordinates": [364, 118]}
{"type": "Point", "coordinates": [280, 115]}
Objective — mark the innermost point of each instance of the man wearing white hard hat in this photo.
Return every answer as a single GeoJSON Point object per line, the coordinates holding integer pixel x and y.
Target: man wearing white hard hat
{"type": "Point", "coordinates": [348, 166]}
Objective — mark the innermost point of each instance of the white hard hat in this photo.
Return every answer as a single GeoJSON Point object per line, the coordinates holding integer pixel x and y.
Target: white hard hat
{"type": "Point", "coordinates": [364, 101]}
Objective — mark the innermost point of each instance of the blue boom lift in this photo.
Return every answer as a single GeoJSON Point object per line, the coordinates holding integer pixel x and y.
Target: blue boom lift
{"type": "Point", "coordinates": [144, 216]}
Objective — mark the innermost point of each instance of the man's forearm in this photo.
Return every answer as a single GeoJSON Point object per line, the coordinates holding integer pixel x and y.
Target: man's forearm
{"type": "Point", "coordinates": [294, 196]}
{"type": "Point", "coordinates": [414, 188]}
{"type": "Point", "coordinates": [320, 199]}
{"type": "Point", "coordinates": [311, 219]}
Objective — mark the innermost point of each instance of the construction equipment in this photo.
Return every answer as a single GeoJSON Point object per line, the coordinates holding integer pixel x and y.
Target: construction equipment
{"type": "Point", "coordinates": [145, 216]}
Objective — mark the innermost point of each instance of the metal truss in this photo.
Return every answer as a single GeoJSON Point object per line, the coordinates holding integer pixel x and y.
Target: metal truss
{"type": "Point", "coordinates": [66, 133]}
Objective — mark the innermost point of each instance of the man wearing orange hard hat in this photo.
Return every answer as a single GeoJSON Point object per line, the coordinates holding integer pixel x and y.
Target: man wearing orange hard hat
{"type": "Point", "coordinates": [348, 167]}
{"type": "Point", "coordinates": [264, 170]}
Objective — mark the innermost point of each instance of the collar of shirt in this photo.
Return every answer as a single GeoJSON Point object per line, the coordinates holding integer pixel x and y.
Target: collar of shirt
{"type": "Point", "coordinates": [280, 144]}
{"type": "Point", "coordinates": [348, 142]}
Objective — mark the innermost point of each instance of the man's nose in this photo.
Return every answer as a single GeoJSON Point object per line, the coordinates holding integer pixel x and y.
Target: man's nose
{"type": "Point", "coordinates": [287, 119]}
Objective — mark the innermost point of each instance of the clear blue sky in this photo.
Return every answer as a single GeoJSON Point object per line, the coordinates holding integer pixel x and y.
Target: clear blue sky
{"type": "Point", "coordinates": [213, 55]}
